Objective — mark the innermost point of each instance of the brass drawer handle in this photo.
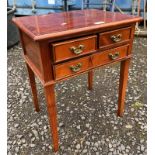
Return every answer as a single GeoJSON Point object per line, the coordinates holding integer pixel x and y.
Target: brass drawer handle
{"type": "Point", "coordinates": [76, 68]}
{"type": "Point", "coordinates": [116, 38]}
{"type": "Point", "coordinates": [77, 50]}
{"type": "Point", "coordinates": [114, 56]}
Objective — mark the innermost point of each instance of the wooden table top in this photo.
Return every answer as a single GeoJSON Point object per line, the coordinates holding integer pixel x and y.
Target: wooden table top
{"type": "Point", "coordinates": [57, 24]}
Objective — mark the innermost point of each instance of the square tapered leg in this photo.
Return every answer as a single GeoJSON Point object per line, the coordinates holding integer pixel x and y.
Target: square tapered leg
{"type": "Point", "coordinates": [52, 114]}
{"type": "Point", "coordinates": [33, 88]}
{"type": "Point", "coordinates": [124, 69]}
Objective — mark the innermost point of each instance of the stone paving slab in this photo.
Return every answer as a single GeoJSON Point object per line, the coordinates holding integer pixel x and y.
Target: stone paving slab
{"type": "Point", "coordinates": [88, 124]}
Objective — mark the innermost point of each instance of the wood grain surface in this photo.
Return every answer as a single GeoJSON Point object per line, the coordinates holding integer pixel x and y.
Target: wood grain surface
{"type": "Point", "coordinates": [60, 24]}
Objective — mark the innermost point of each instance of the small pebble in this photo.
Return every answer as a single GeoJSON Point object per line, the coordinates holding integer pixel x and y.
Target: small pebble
{"type": "Point", "coordinates": [94, 148]}
{"type": "Point", "coordinates": [82, 117]}
{"type": "Point", "coordinates": [61, 124]}
{"type": "Point", "coordinates": [32, 145]}
{"type": "Point", "coordinates": [16, 125]}
{"type": "Point", "coordinates": [110, 145]}
{"type": "Point", "coordinates": [142, 148]}
{"type": "Point", "coordinates": [96, 144]}
{"type": "Point", "coordinates": [78, 146]}
{"type": "Point", "coordinates": [35, 132]}
{"type": "Point", "coordinates": [87, 125]}
{"type": "Point", "coordinates": [19, 136]}
{"type": "Point", "coordinates": [84, 151]}
{"type": "Point", "coordinates": [122, 147]}
{"type": "Point", "coordinates": [33, 139]}
{"type": "Point", "coordinates": [87, 143]}
{"type": "Point", "coordinates": [78, 127]}
{"type": "Point", "coordinates": [23, 140]}
{"type": "Point", "coordinates": [110, 153]}
{"type": "Point", "coordinates": [17, 149]}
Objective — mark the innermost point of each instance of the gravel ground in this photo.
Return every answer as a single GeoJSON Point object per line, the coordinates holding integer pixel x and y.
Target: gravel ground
{"type": "Point", "coordinates": [87, 119]}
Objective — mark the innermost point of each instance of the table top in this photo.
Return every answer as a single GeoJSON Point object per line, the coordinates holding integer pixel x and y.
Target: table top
{"type": "Point", "coordinates": [57, 24]}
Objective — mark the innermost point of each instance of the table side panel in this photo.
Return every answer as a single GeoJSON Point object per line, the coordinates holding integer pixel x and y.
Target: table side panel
{"type": "Point", "coordinates": [32, 51]}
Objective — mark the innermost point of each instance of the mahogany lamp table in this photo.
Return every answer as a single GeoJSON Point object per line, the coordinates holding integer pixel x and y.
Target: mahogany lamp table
{"type": "Point", "coordinates": [58, 46]}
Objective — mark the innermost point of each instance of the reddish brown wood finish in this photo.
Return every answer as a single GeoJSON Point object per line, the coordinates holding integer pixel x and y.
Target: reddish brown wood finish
{"type": "Point", "coordinates": [33, 88]}
{"type": "Point", "coordinates": [30, 51]}
{"type": "Point", "coordinates": [34, 69]}
{"type": "Point", "coordinates": [103, 57]}
{"type": "Point", "coordinates": [62, 50]}
{"type": "Point", "coordinates": [93, 28]}
{"type": "Point", "coordinates": [64, 70]}
{"type": "Point", "coordinates": [124, 69]}
{"type": "Point", "coordinates": [106, 38]}
{"type": "Point", "coordinates": [45, 54]}
{"type": "Point", "coordinates": [66, 23]}
{"type": "Point", "coordinates": [122, 85]}
{"type": "Point", "coordinates": [52, 113]}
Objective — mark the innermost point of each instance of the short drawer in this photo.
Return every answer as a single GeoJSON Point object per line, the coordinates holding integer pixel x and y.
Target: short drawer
{"type": "Point", "coordinates": [109, 56]}
{"type": "Point", "coordinates": [72, 67]}
{"type": "Point", "coordinates": [114, 37]}
{"type": "Point", "coordinates": [73, 48]}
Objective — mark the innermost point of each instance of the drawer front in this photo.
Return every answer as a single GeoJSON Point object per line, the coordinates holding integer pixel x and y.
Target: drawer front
{"type": "Point", "coordinates": [114, 37]}
{"type": "Point", "coordinates": [109, 56]}
{"type": "Point", "coordinates": [73, 48]}
{"type": "Point", "coordinates": [71, 68]}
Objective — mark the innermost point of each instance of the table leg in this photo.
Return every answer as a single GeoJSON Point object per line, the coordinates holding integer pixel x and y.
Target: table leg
{"type": "Point", "coordinates": [52, 113]}
{"type": "Point", "coordinates": [122, 85]}
{"type": "Point", "coordinates": [33, 88]}
{"type": "Point", "coordinates": [90, 80]}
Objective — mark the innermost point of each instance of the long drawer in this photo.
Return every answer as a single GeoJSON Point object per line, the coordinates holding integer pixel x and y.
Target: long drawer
{"type": "Point", "coordinates": [74, 48]}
